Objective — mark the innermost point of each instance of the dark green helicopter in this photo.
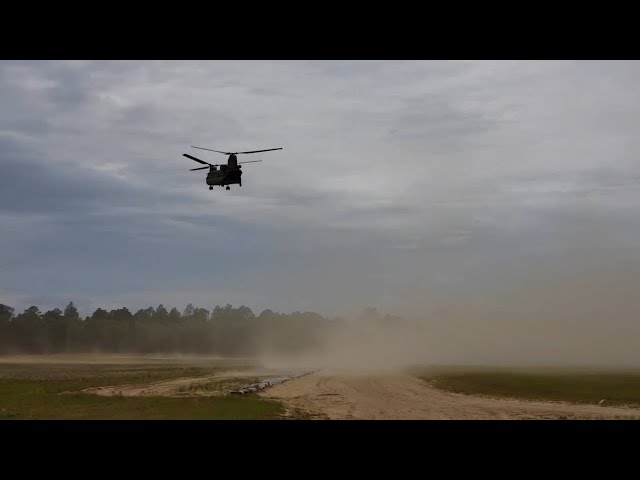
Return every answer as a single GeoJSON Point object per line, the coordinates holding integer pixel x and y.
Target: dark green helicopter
{"type": "Point", "coordinates": [229, 173]}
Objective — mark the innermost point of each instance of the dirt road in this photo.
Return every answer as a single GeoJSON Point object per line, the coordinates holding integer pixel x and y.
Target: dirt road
{"type": "Point", "coordinates": [339, 395]}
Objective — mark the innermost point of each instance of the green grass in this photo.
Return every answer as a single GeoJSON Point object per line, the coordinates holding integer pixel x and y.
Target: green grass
{"type": "Point", "coordinates": [585, 386]}
{"type": "Point", "coordinates": [47, 392]}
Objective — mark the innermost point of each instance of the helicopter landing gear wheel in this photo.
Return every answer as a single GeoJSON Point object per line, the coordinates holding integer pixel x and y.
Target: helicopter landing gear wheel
{"type": "Point", "coordinates": [210, 187]}
{"type": "Point", "coordinates": [228, 188]}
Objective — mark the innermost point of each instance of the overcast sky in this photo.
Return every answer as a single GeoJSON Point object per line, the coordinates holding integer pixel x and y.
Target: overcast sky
{"type": "Point", "coordinates": [400, 183]}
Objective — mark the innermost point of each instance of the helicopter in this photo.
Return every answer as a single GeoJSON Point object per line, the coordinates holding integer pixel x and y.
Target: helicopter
{"type": "Point", "coordinates": [229, 173]}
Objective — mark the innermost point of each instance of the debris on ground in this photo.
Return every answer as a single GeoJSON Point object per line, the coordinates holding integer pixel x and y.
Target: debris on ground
{"type": "Point", "coordinates": [270, 382]}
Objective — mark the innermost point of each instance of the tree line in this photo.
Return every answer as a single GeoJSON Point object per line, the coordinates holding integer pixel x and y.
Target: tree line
{"type": "Point", "coordinates": [225, 331]}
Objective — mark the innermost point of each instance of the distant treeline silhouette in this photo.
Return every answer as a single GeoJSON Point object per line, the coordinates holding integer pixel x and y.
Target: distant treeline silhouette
{"type": "Point", "coordinates": [224, 331]}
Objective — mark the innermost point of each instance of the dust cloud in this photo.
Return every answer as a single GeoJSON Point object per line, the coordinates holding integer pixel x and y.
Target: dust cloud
{"type": "Point", "coordinates": [580, 308]}
{"type": "Point", "coordinates": [362, 345]}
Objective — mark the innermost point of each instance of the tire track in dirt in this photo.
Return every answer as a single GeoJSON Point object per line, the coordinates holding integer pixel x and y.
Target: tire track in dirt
{"type": "Point", "coordinates": [165, 388]}
{"type": "Point", "coordinates": [217, 384]}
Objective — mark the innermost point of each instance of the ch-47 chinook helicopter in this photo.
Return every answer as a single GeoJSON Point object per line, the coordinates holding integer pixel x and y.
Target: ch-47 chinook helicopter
{"type": "Point", "coordinates": [229, 173]}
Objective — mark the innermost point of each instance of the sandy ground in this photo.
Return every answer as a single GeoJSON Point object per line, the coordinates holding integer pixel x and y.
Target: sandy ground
{"type": "Point", "coordinates": [340, 395]}
{"type": "Point", "coordinates": [165, 388]}
{"type": "Point", "coordinates": [211, 385]}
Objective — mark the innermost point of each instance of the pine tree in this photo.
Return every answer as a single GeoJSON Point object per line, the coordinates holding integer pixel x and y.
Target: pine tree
{"type": "Point", "coordinates": [71, 312]}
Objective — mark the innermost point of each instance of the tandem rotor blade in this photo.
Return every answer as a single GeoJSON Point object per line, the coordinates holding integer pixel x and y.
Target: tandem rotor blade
{"type": "Point", "coordinates": [199, 168]}
{"type": "Point", "coordinates": [237, 153]}
{"type": "Point", "coordinates": [196, 159]}
{"type": "Point", "coordinates": [256, 151]}
{"type": "Point", "coordinates": [218, 151]}
{"type": "Point", "coordinates": [250, 161]}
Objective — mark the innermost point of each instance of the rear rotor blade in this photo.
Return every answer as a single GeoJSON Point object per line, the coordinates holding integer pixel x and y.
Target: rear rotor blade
{"type": "Point", "coordinates": [256, 151]}
{"type": "Point", "coordinates": [196, 159]}
{"type": "Point", "coordinates": [251, 161]}
{"type": "Point", "coordinates": [218, 151]}
{"type": "Point", "coordinates": [199, 168]}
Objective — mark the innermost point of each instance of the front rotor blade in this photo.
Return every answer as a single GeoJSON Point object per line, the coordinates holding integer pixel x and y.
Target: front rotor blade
{"type": "Point", "coordinates": [199, 168]}
{"type": "Point", "coordinates": [256, 151]}
{"type": "Point", "coordinates": [251, 161]}
{"type": "Point", "coordinates": [218, 151]}
{"type": "Point", "coordinates": [196, 159]}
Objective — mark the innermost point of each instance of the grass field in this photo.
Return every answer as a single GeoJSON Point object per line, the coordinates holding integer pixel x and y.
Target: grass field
{"type": "Point", "coordinates": [584, 386]}
{"type": "Point", "coordinates": [54, 391]}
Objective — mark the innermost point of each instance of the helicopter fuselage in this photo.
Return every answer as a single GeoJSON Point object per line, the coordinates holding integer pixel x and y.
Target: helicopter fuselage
{"type": "Point", "coordinates": [224, 176]}
{"type": "Point", "coordinates": [228, 174]}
